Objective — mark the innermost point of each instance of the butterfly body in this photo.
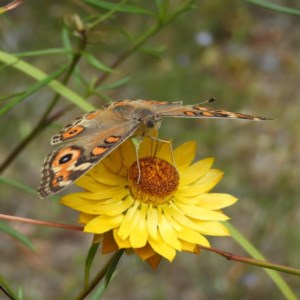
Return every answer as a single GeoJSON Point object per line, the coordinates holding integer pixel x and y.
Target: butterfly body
{"type": "Point", "coordinates": [90, 138]}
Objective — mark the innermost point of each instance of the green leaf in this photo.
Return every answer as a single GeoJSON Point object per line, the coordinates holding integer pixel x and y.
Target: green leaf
{"type": "Point", "coordinates": [37, 74]}
{"type": "Point", "coordinates": [88, 263]}
{"type": "Point", "coordinates": [276, 7]}
{"type": "Point", "coordinates": [17, 235]}
{"type": "Point", "coordinates": [97, 294]}
{"type": "Point", "coordinates": [124, 8]}
{"type": "Point", "coordinates": [155, 52]}
{"type": "Point", "coordinates": [32, 89]}
{"type": "Point", "coordinates": [66, 39]}
{"type": "Point", "coordinates": [18, 185]}
{"type": "Point", "coordinates": [7, 290]}
{"type": "Point", "coordinates": [96, 63]}
{"type": "Point", "coordinates": [249, 248]}
{"type": "Point", "coordinates": [112, 266]}
{"type": "Point", "coordinates": [43, 52]}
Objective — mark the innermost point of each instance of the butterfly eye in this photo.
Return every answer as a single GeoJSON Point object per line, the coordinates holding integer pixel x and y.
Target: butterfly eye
{"type": "Point", "coordinates": [66, 158]}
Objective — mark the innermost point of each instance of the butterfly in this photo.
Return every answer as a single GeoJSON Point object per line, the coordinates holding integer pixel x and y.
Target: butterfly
{"type": "Point", "coordinates": [91, 137]}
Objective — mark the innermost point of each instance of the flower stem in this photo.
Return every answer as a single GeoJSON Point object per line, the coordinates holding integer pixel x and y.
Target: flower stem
{"type": "Point", "coordinates": [255, 262]}
{"type": "Point", "coordinates": [104, 272]}
{"type": "Point", "coordinates": [39, 222]}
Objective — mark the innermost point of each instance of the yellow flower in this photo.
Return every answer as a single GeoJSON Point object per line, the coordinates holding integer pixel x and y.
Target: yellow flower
{"type": "Point", "coordinates": [154, 207]}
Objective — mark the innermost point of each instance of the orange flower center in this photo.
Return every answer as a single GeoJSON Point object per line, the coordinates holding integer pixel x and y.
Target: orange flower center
{"type": "Point", "coordinates": [153, 181]}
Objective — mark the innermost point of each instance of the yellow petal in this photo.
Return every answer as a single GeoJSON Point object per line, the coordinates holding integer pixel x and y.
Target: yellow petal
{"type": "Point", "coordinates": [128, 153]}
{"type": "Point", "coordinates": [215, 201]}
{"type": "Point", "coordinates": [203, 185]}
{"type": "Point", "coordinates": [90, 184]}
{"type": "Point", "coordinates": [107, 193]}
{"type": "Point", "coordinates": [102, 224]}
{"type": "Point", "coordinates": [85, 218]}
{"type": "Point", "coordinates": [147, 147]}
{"type": "Point", "coordinates": [112, 209]}
{"type": "Point", "coordinates": [170, 219]}
{"type": "Point", "coordinates": [139, 235]}
{"type": "Point", "coordinates": [111, 179]}
{"type": "Point", "coordinates": [193, 237]}
{"type": "Point", "coordinates": [189, 247]}
{"type": "Point", "coordinates": [164, 151]}
{"type": "Point", "coordinates": [113, 162]}
{"type": "Point", "coordinates": [167, 232]}
{"type": "Point", "coordinates": [212, 228]}
{"type": "Point", "coordinates": [195, 171]}
{"type": "Point", "coordinates": [213, 175]}
{"type": "Point", "coordinates": [122, 243]}
{"type": "Point", "coordinates": [181, 221]}
{"type": "Point", "coordinates": [201, 213]}
{"type": "Point", "coordinates": [101, 174]}
{"type": "Point", "coordinates": [185, 154]}
{"type": "Point", "coordinates": [160, 247]}
{"type": "Point", "coordinates": [129, 222]}
{"type": "Point", "coordinates": [109, 207]}
{"type": "Point", "coordinates": [152, 221]}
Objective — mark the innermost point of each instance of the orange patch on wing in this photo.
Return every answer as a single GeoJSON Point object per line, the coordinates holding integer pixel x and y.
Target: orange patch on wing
{"type": "Point", "coordinates": [72, 132]}
{"type": "Point", "coordinates": [242, 116]}
{"type": "Point", "coordinates": [190, 113]}
{"type": "Point", "coordinates": [99, 150]}
{"type": "Point", "coordinates": [112, 139]}
{"type": "Point", "coordinates": [54, 182]}
{"type": "Point", "coordinates": [74, 155]}
{"type": "Point", "coordinates": [91, 116]}
{"type": "Point", "coordinates": [207, 114]}
{"type": "Point", "coordinates": [62, 175]}
{"type": "Point", "coordinates": [156, 102]}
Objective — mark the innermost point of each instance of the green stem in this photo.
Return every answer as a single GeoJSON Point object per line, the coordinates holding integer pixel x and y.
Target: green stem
{"type": "Point", "coordinates": [102, 273]}
{"type": "Point", "coordinates": [107, 15]}
{"type": "Point", "coordinates": [5, 288]}
{"type": "Point", "coordinates": [43, 120]}
{"type": "Point", "coordinates": [276, 7]}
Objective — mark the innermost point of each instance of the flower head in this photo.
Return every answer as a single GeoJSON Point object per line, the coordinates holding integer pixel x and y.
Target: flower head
{"type": "Point", "coordinates": [154, 206]}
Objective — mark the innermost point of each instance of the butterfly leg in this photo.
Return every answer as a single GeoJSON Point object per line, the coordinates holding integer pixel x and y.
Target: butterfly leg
{"type": "Point", "coordinates": [170, 146]}
{"type": "Point", "coordinates": [137, 143]}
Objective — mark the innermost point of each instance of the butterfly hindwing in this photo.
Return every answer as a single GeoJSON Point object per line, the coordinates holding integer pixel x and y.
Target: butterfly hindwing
{"type": "Point", "coordinates": [65, 164]}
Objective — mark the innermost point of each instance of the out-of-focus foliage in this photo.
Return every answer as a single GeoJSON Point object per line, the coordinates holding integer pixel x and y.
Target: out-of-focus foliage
{"type": "Point", "coordinates": [245, 56]}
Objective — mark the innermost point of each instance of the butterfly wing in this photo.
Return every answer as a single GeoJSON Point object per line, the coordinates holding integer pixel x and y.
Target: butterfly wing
{"type": "Point", "coordinates": [197, 111]}
{"type": "Point", "coordinates": [81, 127]}
{"type": "Point", "coordinates": [65, 164]}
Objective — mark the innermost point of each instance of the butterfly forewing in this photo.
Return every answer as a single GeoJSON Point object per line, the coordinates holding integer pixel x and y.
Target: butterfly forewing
{"type": "Point", "coordinates": [197, 111]}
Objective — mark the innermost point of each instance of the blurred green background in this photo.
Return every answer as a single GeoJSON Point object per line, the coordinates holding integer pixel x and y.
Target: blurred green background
{"type": "Point", "coordinates": [245, 56]}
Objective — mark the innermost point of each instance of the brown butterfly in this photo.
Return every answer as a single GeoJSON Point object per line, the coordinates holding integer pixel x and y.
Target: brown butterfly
{"type": "Point", "coordinates": [94, 135]}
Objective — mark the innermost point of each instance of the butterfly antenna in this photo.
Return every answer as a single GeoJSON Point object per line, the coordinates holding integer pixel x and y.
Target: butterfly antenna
{"type": "Point", "coordinates": [208, 101]}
